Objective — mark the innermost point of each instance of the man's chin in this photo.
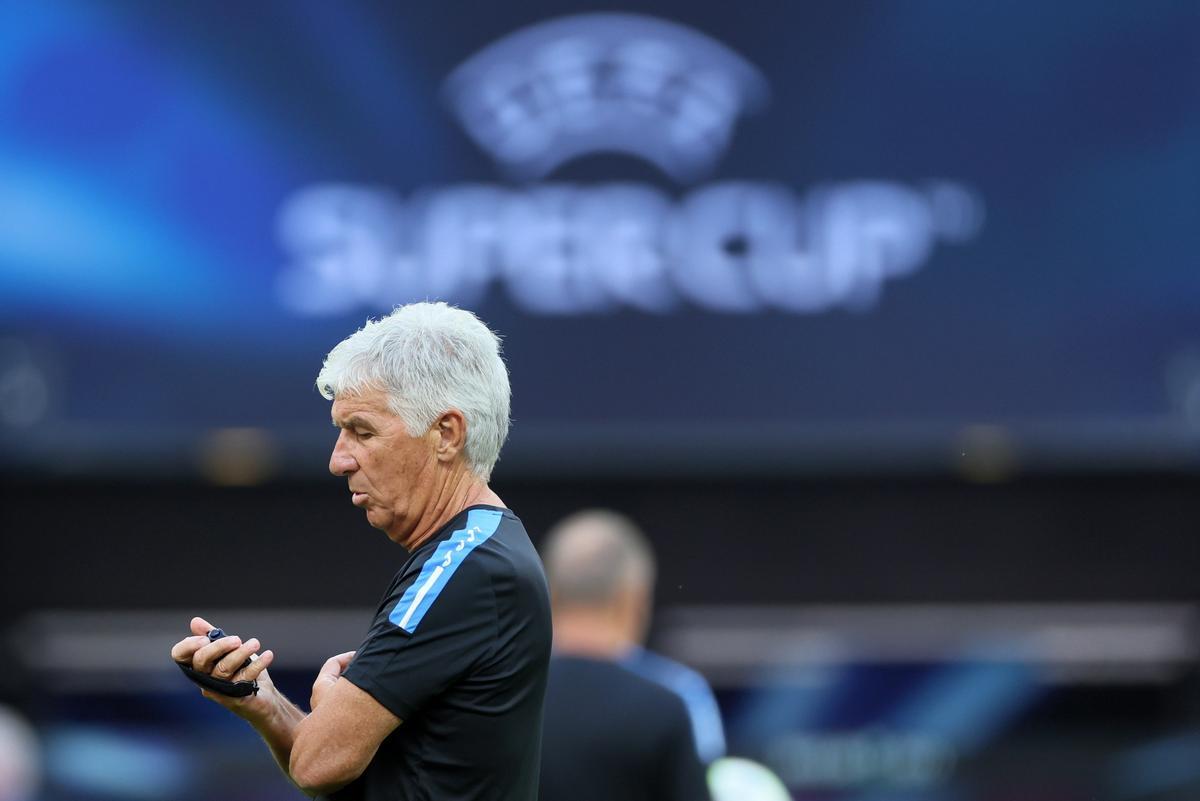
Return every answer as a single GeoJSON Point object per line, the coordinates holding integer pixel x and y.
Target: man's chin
{"type": "Point", "coordinates": [379, 520]}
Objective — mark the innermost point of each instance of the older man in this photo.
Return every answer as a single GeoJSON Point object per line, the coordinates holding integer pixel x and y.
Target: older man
{"type": "Point", "coordinates": [443, 699]}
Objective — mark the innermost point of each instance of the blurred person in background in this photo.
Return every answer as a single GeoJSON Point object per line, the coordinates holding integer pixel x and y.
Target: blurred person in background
{"type": "Point", "coordinates": [20, 757]}
{"type": "Point", "coordinates": [575, 531]}
{"type": "Point", "coordinates": [612, 731]}
{"type": "Point", "coordinates": [443, 700]}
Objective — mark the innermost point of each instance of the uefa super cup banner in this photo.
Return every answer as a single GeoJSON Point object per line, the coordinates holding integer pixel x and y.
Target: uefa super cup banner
{"type": "Point", "coordinates": [604, 84]}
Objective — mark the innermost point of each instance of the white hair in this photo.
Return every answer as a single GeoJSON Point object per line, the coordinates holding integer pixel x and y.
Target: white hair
{"type": "Point", "coordinates": [429, 358]}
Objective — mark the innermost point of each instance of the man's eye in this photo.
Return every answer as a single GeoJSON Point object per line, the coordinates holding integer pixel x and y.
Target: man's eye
{"type": "Point", "coordinates": [363, 434]}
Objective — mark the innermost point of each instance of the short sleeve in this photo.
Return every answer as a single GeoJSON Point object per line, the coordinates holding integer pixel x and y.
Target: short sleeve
{"type": "Point", "coordinates": [433, 634]}
{"type": "Point", "coordinates": [705, 717]}
{"type": "Point", "coordinates": [681, 775]}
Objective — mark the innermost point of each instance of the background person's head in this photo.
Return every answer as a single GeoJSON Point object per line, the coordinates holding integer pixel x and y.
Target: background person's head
{"type": "Point", "coordinates": [601, 571]}
{"type": "Point", "coordinates": [422, 400]}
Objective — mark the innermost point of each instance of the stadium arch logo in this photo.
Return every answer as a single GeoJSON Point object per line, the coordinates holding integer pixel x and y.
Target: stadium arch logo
{"type": "Point", "coordinates": [595, 83]}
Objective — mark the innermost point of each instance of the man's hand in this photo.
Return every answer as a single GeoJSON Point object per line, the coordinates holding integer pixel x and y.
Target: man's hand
{"type": "Point", "coordinates": [338, 739]}
{"type": "Point", "coordinates": [273, 716]}
{"type": "Point", "coordinates": [329, 674]}
{"type": "Point", "coordinates": [223, 659]}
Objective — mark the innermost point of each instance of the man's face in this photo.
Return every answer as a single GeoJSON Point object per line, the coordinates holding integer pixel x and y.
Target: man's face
{"type": "Point", "coordinates": [390, 474]}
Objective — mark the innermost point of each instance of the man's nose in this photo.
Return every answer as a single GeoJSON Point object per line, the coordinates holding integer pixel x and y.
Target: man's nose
{"type": "Point", "coordinates": [341, 462]}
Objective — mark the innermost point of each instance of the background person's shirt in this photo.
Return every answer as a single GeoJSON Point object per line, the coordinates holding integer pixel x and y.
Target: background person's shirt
{"type": "Point", "coordinates": [693, 690]}
{"type": "Point", "coordinates": [459, 651]}
{"type": "Point", "coordinates": [611, 735]}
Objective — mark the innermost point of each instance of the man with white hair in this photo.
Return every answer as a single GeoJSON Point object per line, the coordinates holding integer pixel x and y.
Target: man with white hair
{"type": "Point", "coordinates": [443, 699]}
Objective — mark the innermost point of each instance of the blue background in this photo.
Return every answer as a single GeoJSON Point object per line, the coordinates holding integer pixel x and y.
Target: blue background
{"type": "Point", "coordinates": [146, 150]}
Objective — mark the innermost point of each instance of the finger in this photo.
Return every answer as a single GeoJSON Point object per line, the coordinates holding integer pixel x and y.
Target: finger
{"type": "Point", "coordinates": [206, 657]}
{"type": "Point", "coordinates": [182, 651]}
{"type": "Point", "coordinates": [255, 668]}
{"type": "Point", "coordinates": [334, 665]}
{"type": "Point", "coordinates": [330, 668]}
{"type": "Point", "coordinates": [201, 626]}
{"type": "Point", "coordinates": [223, 700]}
{"type": "Point", "coordinates": [232, 662]}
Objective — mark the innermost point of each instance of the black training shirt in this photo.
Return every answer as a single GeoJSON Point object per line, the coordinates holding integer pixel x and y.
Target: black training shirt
{"type": "Point", "coordinates": [459, 651]}
{"type": "Point", "coordinates": [612, 735]}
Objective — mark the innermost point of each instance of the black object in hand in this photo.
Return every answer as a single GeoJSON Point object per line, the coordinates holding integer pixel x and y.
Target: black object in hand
{"type": "Point", "coordinates": [235, 689]}
{"type": "Point", "coordinates": [216, 634]}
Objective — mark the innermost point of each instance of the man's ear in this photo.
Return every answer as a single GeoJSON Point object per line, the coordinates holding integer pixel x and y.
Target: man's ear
{"type": "Point", "coordinates": [451, 429]}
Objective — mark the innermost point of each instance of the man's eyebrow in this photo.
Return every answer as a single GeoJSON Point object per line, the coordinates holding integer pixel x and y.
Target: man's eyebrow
{"type": "Point", "coordinates": [353, 421]}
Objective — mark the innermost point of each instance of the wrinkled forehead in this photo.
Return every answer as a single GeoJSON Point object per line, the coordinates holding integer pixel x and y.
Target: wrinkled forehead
{"type": "Point", "coordinates": [371, 403]}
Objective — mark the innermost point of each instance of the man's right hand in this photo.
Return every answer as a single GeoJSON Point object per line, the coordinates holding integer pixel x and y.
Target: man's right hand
{"type": "Point", "coordinates": [223, 659]}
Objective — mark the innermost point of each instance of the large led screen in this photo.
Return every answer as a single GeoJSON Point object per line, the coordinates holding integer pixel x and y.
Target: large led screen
{"type": "Point", "coordinates": [710, 233]}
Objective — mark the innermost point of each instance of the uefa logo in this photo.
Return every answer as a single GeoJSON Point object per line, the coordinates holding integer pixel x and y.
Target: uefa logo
{"type": "Point", "coordinates": [621, 84]}
{"type": "Point", "coordinates": [605, 83]}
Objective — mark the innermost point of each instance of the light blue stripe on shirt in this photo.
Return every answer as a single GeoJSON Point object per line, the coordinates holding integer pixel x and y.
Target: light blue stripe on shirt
{"type": "Point", "coordinates": [438, 568]}
{"type": "Point", "coordinates": [691, 687]}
